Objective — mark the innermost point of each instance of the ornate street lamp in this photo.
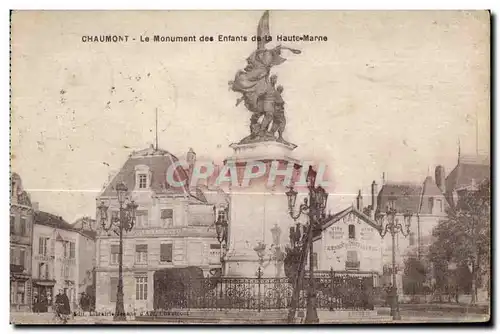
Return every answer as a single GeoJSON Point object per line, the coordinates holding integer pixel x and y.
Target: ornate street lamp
{"type": "Point", "coordinates": [314, 207]}
{"type": "Point", "coordinates": [221, 228]}
{"type": "Point", "coordinates": [124, 221]}
{"type": "Point", "coordinates": [393, 227]}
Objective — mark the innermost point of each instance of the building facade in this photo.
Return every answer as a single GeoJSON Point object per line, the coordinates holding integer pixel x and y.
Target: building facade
{"type": "Point", "coordinates": [21, 238]}
{"type": "Point", "coordinates": [86, 249]}
{"type": "Point", "coordinates": [174, 228]}
{"type": "Point", "coordinates": [62, 256]}
{"type": "Point", "coordinates": [349, 241]}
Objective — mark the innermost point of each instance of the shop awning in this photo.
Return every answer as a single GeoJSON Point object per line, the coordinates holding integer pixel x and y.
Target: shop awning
{"type": "Point", "coordinates": [44, 282]}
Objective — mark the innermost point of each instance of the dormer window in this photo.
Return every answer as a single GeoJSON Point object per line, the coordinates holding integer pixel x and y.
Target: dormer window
{"type": "Point", "coordinates": [142, 177]}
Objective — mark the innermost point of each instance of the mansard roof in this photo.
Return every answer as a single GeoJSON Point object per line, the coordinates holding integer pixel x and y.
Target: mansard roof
{"type": "Point", "coordinates": [409, 196]}
{"type": "Point", "coordinates": [468, 169]}
{"type": "Point", "coordinates": [159, 161]}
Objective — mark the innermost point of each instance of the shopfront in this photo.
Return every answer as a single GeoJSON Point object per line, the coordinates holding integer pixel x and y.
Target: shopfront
{"type": "Point", "coordinates": [43, 294]}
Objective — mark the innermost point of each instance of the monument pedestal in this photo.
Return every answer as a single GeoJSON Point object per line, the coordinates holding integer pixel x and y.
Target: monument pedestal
{"type": "Point", "coordinates": [259, 209]}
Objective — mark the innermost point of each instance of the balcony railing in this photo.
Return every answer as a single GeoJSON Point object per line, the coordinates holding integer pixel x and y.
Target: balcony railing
{"type": "Point", "coordinates": [352, 265]}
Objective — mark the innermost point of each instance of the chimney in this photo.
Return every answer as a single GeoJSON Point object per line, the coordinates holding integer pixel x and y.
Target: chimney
{"type": "Point", "coordinates": [383, 178]}
{"type": "Point", "coordinates": [34, 206]}
{"type": "Point", "coordinates": [359, 201]}
{"type": "Point", "coordinates": [440, 178]}
{"type": "Point", "coordinates": [191, 160]}
{"type": "Point", "coordinates": [374, 197]}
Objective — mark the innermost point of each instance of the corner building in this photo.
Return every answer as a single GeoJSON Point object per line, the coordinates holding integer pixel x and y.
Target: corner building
{"type": "Point", "coordinates": [174, 228]}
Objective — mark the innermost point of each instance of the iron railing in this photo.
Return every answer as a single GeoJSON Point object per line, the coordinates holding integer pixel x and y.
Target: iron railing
{"type": "Point", "coordinates": [335, 291]}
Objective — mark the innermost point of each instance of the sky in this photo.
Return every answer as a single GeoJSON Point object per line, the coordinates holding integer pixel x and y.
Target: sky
{"type": "Point", "coordinates": [388, 92]}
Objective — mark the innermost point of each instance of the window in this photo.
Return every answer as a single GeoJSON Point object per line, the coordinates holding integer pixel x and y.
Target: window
{"type": "Point", "coordinates": [352, 256]}
{"type": "Point", "coordinates": [431, 204]}
{"type": "Point", "coordinates": [22, 257]}
{"type": "Point", "coordinates": [315, 260]}
{"type": "Point", "coordinates": [43, 270]}
{"type": "Point", "coordinates": [141, 253]}
{"type": "Point", "coordinates": [352, 232]}
{"type": "Point", "coordinates": [66, 249]}
{"type": "Point", "coordinates": [43, 246]}
{"type": "Point", "coordinates": [113, 289]}
{"type": "Point", "coordinates": [12, 225]}
{"type": "Point", "coordinates": [141, 218]}
{"type": "Point", "coordinates": [115, 251]}
{"type": "Point", "coordinates": [12, 256]}
{"type": "Point", "coordinates": [143, 179]}
{"type": "Point", "coordinates": [141, 288]}
{"type": "Point", "coordinates": [21, 288]}
{"type": "Point", "coordinates": [221, 214]}
{"type": "Point", "coordinates": [412, 238]}
{"type": "Point", "coordinates": [23, 226]}
{"type": "Point", "coordinates": [167, 217]}
{"type": "Point", "coordinates": [166, 253]}
{"type": "Point", "coordinates": [439, 205]}
{"type": "Point", "coordinates": [71, 250]}
{"type": "Point", "coordinates": [215, 246]}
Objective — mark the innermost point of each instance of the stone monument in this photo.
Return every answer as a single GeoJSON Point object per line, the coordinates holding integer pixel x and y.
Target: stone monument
{"type": "Point", "coordinates": [259, 219]}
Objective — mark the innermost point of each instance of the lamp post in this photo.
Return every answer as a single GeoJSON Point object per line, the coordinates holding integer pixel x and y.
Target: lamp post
{"type": "Point", "coordinates": [221, 228]}
{"type": "Point", "coordinates": [124, 221]}
{"type": "Point", "coordinates": [393, 227]}
{"type": "Point", "coordinates": [314, 208]}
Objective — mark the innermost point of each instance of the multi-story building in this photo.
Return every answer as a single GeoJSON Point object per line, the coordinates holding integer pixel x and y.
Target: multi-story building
{"type": "Point", "coordinates": [62, 256]}
{"type": "Point", "coordinates": [174, 228]}
{"type": "Point", "coordinates": [86, 228]}
{"type": "Point", "coordinates": [21, 228]}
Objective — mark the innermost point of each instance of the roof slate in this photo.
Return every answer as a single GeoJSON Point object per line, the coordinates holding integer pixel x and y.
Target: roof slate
{"type": "Point", "coordinates": [158, 161]}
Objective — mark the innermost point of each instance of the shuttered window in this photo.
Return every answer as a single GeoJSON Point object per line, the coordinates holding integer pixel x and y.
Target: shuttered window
{"type": "Point", "coordinates": [141, 253]}
{"type": "Point", "coordinates": [115, 251]}
{"type": "Point", "coordinates": [22, 226]}
{"type": "Point", "coordinates": [166, 253]}
{"type": "Point", "coordinates": [167, 217]}
{"type": "Point", "coordinates": [315, 260]}
{"type": "Point", "coordinates": [12, 225]}
{"type": "Point", "coordinates": [352, 232]}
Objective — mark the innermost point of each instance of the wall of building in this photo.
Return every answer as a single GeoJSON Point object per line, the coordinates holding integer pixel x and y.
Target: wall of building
{"type": "Point", "coordinates": [63, 270]}
{"type": "Point", "coordinates": [20, 255]}
{"type": "Point", "coordinates": [335, 244]}
{"type": "Point", "coordinates": [86, 250]}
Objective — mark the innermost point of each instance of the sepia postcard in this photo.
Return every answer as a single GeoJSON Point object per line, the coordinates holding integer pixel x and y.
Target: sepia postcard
{"type": "Point", "coordinates": [250, 167]}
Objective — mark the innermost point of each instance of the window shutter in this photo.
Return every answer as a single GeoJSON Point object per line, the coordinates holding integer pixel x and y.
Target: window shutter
{"type": "Point", "coordinates": [40, 245]}
{"type": "Point", "coordinates": [52, 247]}
{"type": "Point", "coordinates": [166, 253]}
{"type": "Point", "coordinates": [315, 260]}
{"type": "Point", "coordinates": [352, 232]}
{"type": "Point", "coordinates": [113, 283]}
{"type": "Point", "coordinates": [72, 250]}
{"type": "Point", "coordinates": [22, 255]}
